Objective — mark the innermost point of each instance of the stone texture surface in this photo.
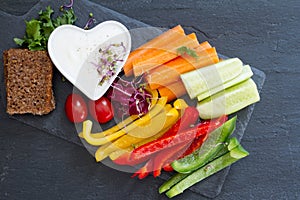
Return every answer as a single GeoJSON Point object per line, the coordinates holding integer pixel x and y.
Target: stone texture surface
{"type": "Point", "coordinates": [262, 33]}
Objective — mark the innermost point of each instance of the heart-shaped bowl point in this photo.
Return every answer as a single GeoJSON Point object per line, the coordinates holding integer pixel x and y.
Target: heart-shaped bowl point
{"type": "Point", "coordinates": [90, 59]}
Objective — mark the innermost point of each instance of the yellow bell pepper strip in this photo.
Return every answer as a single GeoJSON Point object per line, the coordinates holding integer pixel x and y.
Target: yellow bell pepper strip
{"type": "Point", "coordinates": [116, 154]}
{"type": "Point", "coordinates": [154, 98]}
{"type": "Point", "coordinates": [128, 140]}
{"type": "Point", "coordinates": [170, 117]}
{"type": "Point", "coordinates": [119, 152]}
{"type": "Point", "coordinates": [157, 123]}
{"type": "Point", "coordinates": [139, 122]}
{"type": "Point", "coordinates": [112, 129]}
{"type": "Point", "coordinates": [125, 122]}
{"type": "Point", "coordinates": [87, 127]}
{"type": "Point", "coordinates": [180, 104]}
{"type": "Point", "coordinates": [101, 153]}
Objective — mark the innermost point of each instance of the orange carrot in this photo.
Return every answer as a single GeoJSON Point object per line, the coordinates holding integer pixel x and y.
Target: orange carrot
{"type": "Point", "coordinates": [162, 39]}
{"type": "Point", "coordinates": [170, 71]}
{"type": "Point", "coordinates": [172, 91]}
{"type": "Point", "coordinates": [204, 45]}
{"type": "Point", "coordinates": [153, 75]}
{"type": "Point", "coordinates": [155, 57]}
{"type": "Point", "coordinates": [193, 36]}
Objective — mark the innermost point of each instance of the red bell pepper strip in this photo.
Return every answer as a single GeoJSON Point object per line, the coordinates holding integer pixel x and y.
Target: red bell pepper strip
{"type": "Point", "coordinates": [184, 151]}
{"type": "Point", "coordinates": [167, 156]}
{"type": "Point", "coordinates": [189, 117]}
{"type": "Point", "coordinates": [168, 167]}
{"type": "Point", "coordinates": [144, 171]}
{"type": "Point", "coordinates": [188, 135]}
{"type": "Point", "coordinates": [196, 144]}
{"type": "Point", "coordinates": [124, 159]}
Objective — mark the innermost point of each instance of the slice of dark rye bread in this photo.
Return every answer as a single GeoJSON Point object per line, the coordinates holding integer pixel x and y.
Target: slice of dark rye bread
{"type": "Point", "coordinates": [28, 78]}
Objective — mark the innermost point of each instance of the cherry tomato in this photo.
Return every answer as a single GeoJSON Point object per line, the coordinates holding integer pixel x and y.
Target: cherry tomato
{"type": "Point", "coordinates": [76, 108]}
{"type": "Point", "coordinates": [101, 110]}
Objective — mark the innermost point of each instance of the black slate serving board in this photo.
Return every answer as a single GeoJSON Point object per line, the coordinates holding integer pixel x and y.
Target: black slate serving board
{"type": "Point", "coordinates": [56, 123]}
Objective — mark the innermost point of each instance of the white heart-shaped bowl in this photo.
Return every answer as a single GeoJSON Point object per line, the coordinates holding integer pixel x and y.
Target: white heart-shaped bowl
{"type": "Point", "coordinates": [75, 53]}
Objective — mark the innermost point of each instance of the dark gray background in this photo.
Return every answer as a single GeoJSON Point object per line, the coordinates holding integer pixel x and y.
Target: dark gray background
{"type": "Point", "coordinates": [265, 34]}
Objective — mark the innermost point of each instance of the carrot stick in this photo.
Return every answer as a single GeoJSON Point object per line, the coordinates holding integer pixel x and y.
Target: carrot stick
{"type": "Point", "coordinates": [178, 63]}
{"type": "Point", "coordinates": [203, 46]}
{"type": "Point", "coordinates": [170, 71]}
{"type": "Point", "coordinates": [162, 39]}
{"type": "Point", "coordinates": [193, 36]}
{"type": "Point", "coordinates": [172, 91]}
{"type": "Point", "coordinates": [158, 56]}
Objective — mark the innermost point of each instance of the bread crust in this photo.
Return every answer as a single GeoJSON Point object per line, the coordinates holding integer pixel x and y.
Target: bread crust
{"type": "Point", "coordinates": [28, 78]}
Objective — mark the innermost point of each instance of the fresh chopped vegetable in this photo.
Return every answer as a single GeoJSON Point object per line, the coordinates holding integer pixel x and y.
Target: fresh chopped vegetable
{"type": "Point", "coordinates": [229, 101]}
{"type": "Point", "coordinates": [139, 133]}
{"type": "Point", "coordinates": [38, 30]}
{"type": "Point", "coordinates": [204, 79]}
{"type": "Point", "coordinates": [171, 71]}
{"type": "Point", "coordinates": [156, 42]}
{"type": "Point", "coordinates": [122, 156]}
{"type": "Point", "coordinates": [196, 144]}
{"type": "Point", "coordinates": [158, 56]}
{"type": "Point", "coordinates": [246, 74]}
{"type": "Point", "coordinates": [171, 182]}
{"type": "Point", "coordinates": [180, 104]}
{"type": "Point", "coordinates": [144, 171]}
{"type": "Point", "coordinates": [168, 168]}
{"type": "Point", "coordinates": [166, 118]}
{"type": "Point", "coordinates": [171, 64]}
{"type": "Point", "coordinates": [99, 155]}
{"type": "Point", "coordinates": [207, 170]}
{"type": "Point", "coordinates": [124, 122]}
{"type": "Point", "coordinates": [172, 91]}
{"type": "Point", "coordinates": [228, 146]}
{"type": "Point", "coordinates": [182, 137]}
{"type": "Point", "coordinates": [209, 149]}
{"type": "Point", "coordinates": [166, 156]}
{"type": "Point", "coordinates": [130, 97]}
{"type": "Point", "coordinates": [188, 118]}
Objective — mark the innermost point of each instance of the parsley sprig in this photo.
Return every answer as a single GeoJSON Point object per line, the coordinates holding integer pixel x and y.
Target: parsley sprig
{"type": "Point", "coordinates": [185, 50]}
{"type": "Point", "coordinates": [38, 30]}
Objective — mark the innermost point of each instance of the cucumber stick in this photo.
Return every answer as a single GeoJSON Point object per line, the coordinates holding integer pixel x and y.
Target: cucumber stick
{"type": "Point", "coordinates": [209, 149]}
{"type": "Point", "coordinates": [206, 78]}
{"type": "Point", "coordinates": [209, 169]}
{"type": "Point", "coordinates": [171, 182]}
{"type": "Point", "coordinates": [229, 101]}
{"type": "Point", "coordinates": [246, 74]}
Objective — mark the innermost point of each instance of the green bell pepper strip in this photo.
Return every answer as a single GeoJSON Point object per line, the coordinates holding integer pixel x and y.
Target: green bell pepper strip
{"type": "Point", "coordinates": [171, 182]}
{"type": "Point", "coordinates": [209, 149]}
